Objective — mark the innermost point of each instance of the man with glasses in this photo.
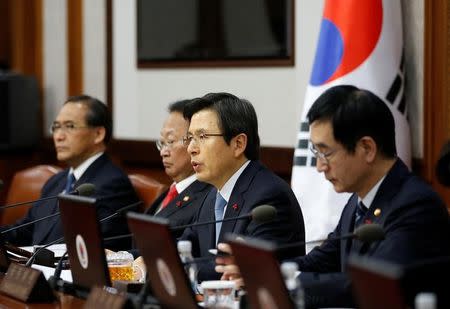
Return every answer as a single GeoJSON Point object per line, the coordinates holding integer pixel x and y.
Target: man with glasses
{"type": "Point", "coordinates": [80, 132]}
{"type": "Point", "coordinates": [223, 143]}
{"type": "Point", "coordinates": [353, 139]}
{"type": "Point", "coordinates": [180, 203]}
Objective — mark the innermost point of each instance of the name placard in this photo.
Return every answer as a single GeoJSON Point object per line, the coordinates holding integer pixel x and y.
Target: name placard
{"type": "Point", "coordinates": [26, 284]}
{"type": "Point", "coordinates": [107, 297]}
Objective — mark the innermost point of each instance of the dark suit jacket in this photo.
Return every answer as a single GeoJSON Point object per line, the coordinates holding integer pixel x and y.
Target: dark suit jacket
{"type": "Point", "coordinates": [113, 191]}
{"type": "Point", "coordinates": [182, 209]}
{"type": "Point", "coordinates": [415, 222]}
{"type": "Point", "coordinates": [255, 186]}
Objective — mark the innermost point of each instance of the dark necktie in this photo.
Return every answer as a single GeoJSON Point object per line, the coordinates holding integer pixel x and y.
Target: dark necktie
{"type": "Point", "coordinates": [218, 211]}
{"type": "Point", "coordinates": [170, 196]}
{"type": "Point", "coordinates": [360, 213]}
{"type": "Point", "coordinates": [70, 183]}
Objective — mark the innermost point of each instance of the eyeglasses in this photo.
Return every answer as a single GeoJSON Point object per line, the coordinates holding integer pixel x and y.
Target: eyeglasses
{"type": "Point", "coordinates": [168, 144]}
{"type": "Point", "coordinates": [324, 156]}
{"type": "Point", "coordinates": [198, 138]}
{"type": "Point", "coordinates": [65, 127]}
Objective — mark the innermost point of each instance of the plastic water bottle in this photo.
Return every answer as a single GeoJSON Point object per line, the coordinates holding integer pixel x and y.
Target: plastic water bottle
{"type": "Point", "coordinates": [293, 285]}
{"type": "Point", "coordinates": [185, 251]}
{"type": "Point", "coordinates": [425, 301]}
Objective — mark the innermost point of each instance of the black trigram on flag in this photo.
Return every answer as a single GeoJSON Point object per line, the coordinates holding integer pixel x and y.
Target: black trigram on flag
{"type": "Point", "coordinates": [397, 87]}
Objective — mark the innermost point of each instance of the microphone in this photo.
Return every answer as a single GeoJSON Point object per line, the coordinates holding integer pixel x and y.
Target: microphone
{"type": "Point", "coordinates": [366, 233]}
{"type": "Point", "coordinates": [1, 184]}
{"type": "Point", "coordinates": [85, 189]}
{"type": "Point", "coordinates": [259, 214]}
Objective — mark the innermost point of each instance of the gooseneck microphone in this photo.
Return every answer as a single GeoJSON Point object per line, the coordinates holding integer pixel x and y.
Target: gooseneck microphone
{"type": "Point", "coordinates": [259, 214]}
{"type": "Point", "coordinates": [366, 233]}
{"type": "Point", "coordinates": [85, 189]}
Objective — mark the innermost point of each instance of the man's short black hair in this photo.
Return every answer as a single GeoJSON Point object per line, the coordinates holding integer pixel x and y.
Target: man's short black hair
{"type": "Point", "coordinates": [355, 113]}
{"type": "Point", "coordinates": [98, 114]}
{"type": "Point", "coordinates": [178, 106]}
{"type": "Point", "coordinates": [235, 115]}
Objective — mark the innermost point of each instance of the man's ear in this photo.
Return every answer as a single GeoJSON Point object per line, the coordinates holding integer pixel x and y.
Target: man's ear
{"type": "Point", "coordinates": [369, 148]}
{"type": "Point", "coordinates": [239, 143]}
{"type": "Point", "coordinates": [100, 133]}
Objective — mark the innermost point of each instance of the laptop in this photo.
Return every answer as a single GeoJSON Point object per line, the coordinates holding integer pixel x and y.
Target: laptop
{"type": "Point", "coordinates": [261, 272]}
{"type": "Point", "coordinates": [376, 284]}
{"type": "Point", "coordinates": [84, 243]}
{"type": "Point", "coordinates": [168, 280]}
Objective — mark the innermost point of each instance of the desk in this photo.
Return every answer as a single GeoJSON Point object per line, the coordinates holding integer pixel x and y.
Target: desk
{"type": "Point", "coordinates": [63, 302]}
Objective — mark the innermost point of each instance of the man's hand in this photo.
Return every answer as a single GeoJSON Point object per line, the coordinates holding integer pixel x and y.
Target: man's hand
{"type": "Point", "coordinates": [226, 265]}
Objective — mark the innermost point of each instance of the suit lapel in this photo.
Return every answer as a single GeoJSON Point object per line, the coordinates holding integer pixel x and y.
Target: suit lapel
{"type": "Point", "coordinates": [86, 177]}
{"type": "Point", "coordinates": [43, 228]}
{"type": "Point", "coordinates": [183, 200]}
{"type": "Point", "coordinates": [236, 204]}
{"type": "Point", "coordinates": [381, 205]}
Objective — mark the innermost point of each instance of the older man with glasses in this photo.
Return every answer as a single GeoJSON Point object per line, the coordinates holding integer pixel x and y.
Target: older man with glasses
{"type": "Point", "coordinates": [80, 133]}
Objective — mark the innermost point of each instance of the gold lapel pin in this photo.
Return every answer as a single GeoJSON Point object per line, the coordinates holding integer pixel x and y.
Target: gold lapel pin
{"type": "Point", "coordinates": [186, 198]}
{"type": "Point", "coordinates": [377, 212]}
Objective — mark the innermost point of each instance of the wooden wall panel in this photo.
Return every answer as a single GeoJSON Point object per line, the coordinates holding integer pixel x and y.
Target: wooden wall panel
{"type": "Point", "coordinates": [436, 89]}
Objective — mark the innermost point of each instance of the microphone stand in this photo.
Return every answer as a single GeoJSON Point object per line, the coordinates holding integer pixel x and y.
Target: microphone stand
{"type": "Point", "coordinates": [29, 223]}
{"type": "Point", "coordinates": [180, 227]}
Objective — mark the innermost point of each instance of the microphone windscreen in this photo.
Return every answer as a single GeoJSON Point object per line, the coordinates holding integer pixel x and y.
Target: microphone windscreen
{"type": "Point", "coordinates": [369, 233]}
{"type": "Point", "coordinates": [264, 213]}
{"type": "Point", "coordinates": [85, 189]}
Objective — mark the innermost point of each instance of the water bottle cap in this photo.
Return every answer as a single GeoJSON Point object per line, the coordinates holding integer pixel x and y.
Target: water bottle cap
{"type": "Point", "coordinates": [425, 300]}
{"type": "Point", "coordinates": [184, 246]}
{"type": "Point", "coordinates": [289, 268]}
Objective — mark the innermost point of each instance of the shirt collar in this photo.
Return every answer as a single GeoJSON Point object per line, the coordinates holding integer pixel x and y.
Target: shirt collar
{"type": "Point", "coordinates": [182, 185]}
{"type": "Point", "coordinates": [368, 199]}
{"type": "Point", "coordinates": [229, 185]}
{"type": "Point", "coordinates": [79, 171]}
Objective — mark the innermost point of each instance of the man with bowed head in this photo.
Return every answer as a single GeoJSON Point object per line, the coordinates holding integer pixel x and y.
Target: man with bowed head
{"type": "Point", "coordinates": [223, 143]}
{"type": "Point", "coordinates": [353, 139]}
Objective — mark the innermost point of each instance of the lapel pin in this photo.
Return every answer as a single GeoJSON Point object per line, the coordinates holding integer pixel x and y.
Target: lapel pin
{"type": "Point", "coordinates": [235, 206]}
{"type": "Point", "coordinates": [367, 221]}
{"type": "Point", "coordinates": [186, 198]}
{"type": "Point", "coordinates": [178, 203]}
{"type": "Point", "coordinates": [377, 212]}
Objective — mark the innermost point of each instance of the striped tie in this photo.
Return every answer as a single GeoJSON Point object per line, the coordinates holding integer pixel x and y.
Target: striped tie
{"type": "Point", "coordinates": [360, 213]}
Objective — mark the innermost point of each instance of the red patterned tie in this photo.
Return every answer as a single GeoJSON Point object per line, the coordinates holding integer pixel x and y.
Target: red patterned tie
{"type": "Point", "coordinates": [170, 196]}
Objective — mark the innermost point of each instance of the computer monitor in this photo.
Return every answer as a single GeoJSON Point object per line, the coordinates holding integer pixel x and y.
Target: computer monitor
{"type": "Point", "coordinates": [376, 284]}
{"type": "Point", "coordinates": [261, 272]}
{"type": "Point", "coordinates": [169, 282]}
{"type": "Point", "coordinates": [84, 242]}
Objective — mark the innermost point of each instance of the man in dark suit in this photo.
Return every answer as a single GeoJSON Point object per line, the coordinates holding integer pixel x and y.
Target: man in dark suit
{"type": "Point", "coordinates": [353, 139]}
{"type": "Point", "coordinates": [80, 132]}
{"type": "Point", "coordinates": [180, 203]}
{"type": "Point", "coordinates": [223, 142]}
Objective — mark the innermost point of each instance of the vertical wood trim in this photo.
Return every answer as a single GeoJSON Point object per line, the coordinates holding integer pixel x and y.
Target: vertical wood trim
{"type": "Point", "coordinates": [26, 25]}
{"type": "Point", "coordinates": [75, 47]}
{"type": "Point", "coordinates": [436, 88]}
